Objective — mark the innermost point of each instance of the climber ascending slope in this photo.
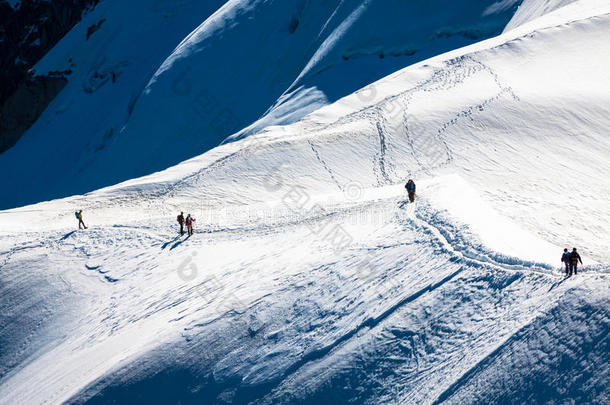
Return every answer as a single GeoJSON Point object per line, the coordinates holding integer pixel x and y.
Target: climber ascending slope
{"type": "Point", "coordinates": [410, 186]}
{"type": "Point", "coordinates": [189, 224]}
{"type": "Point", "coordinates": [79, 216]}
{"type": "Point", "coordinates": [180, 220]}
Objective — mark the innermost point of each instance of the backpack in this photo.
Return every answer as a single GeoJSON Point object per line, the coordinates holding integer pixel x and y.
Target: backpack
{"type": "Point", "coordinates": [76, 214]}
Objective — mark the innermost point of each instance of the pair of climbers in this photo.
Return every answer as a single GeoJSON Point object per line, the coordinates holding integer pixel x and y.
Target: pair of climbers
{"type": "Point", "coordinates": [571, 259]}
{"type": "Point", "coordinates": [79, 216]}
{"type": "Point", "coordinates": [410, 186]}
{"type": "Point", "coordinates": [188, 221]}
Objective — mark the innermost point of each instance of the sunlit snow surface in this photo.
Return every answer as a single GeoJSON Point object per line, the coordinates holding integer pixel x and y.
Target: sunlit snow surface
{"type": "Point", "coordinates": [162, 81]}
{"type": "Point", "coordinates": [310, 279]}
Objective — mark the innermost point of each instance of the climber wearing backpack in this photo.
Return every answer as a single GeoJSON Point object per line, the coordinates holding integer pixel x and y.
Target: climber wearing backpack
{"type": "Point", "coordinates": [574, 259]}
{"type": "Point", "coordinates": [189, 224]}
{"type": "Point", "coordinates": [79, 216]}
{"type": "Point", "coordinates": [181, 222]}
{"type": "Point", "coordinates": [410, 186]}
{"type": "Point", "coordinates": [565, 259]}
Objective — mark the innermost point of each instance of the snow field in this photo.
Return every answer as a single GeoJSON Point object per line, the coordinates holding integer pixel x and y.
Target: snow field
{"type": "Point", "coordinates": [309, 279]}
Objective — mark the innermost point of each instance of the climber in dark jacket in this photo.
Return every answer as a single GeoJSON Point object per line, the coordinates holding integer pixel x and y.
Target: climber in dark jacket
{"type": "Point", "coordinates": [410, 186]}
{"type": "Point", "coordinates": [180, 220]}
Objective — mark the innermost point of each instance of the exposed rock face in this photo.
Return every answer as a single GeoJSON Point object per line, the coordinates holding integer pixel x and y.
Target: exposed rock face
{"type": "Point", "coordinates": [25, 105]}
{"type": "Point", "coordinates": [28, 30]}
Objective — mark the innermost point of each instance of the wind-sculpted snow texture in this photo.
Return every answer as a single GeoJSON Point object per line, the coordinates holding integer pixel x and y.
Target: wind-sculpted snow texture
{"type": "Point", "coordinates": [310, 279]}
{"type": "Point", "coordinates": [162, 81]}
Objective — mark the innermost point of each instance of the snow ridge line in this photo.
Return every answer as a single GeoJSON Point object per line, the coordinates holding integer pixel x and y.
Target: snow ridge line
{"type": "Point", "coordinates": [441, 79]}
{"type": "Point", "coordinates": [469, 56]}
{"type": "Point", "coordinates": [486, 259]}
{"type": "Point", "coordinates": [436, 75]}
{"type": "Point", "coordinates": [454, 72]}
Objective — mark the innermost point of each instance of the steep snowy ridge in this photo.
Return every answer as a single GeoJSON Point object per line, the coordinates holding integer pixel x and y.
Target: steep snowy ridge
{"type": "Point", "coordinates": [223, 67]}
{"type": "Point", "coordinates": [310, 279]}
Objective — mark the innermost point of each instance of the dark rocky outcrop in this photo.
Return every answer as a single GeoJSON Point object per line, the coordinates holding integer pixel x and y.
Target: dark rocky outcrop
{"type": "Point", "coordinates": [91, 30]}
{"type": "Point", "coordinates": [27, 32]}
{"type": "Point", "coordinates": [25, 105]}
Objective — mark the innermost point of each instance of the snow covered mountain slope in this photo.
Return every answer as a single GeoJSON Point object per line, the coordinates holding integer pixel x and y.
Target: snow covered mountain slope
{"type": "Point", "coordinates": [531, 9]}
{"type": "Point", "coordinates": [310, 279]}
{"type": "Point", "coordinates": [108, 58]}
{"type": "Point", "coordinates": [277, 59]}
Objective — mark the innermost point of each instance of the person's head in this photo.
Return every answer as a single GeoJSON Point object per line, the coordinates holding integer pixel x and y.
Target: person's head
{"type": "Point", "coordinates": [410, 180]}
{"type": "Point", "coordinates": [574, 250]}
{"type": "Point", "coordinates": [188, 215]}
{"type": "Point", "coordinates": [565, 250]}
{"type": "Point", "coordinates": [80, 210]}
{"type": "Point", "coordinates": [181, 213]}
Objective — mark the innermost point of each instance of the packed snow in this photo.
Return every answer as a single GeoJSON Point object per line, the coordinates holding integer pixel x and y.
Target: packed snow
{"type": "Point", "coordinates": [311, 278]}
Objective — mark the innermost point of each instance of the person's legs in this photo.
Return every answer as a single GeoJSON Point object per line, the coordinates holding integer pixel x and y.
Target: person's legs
{"type": "Point", "coordinates": [571, 268]}
{"type": "Point", "coordinates": [575, 268]}
{"type": "Point", "coordinates": [567, 268]}
{"type": "Point", "coordinates": [181, 229]}
{"type": "Point", "coordinates": [411, 196]}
